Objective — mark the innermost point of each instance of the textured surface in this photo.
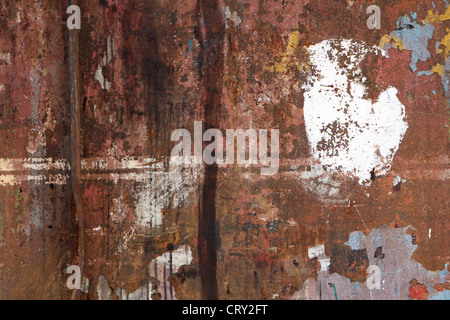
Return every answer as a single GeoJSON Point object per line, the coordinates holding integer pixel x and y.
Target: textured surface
{"type": "Point", "coordinates": [157, 230]}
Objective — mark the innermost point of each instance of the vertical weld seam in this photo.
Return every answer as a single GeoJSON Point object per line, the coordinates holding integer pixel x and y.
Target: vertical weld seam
{"type": "Point", "coordinates": [75, 157]}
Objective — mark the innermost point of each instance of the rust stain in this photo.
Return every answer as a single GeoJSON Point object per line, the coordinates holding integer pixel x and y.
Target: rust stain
{"type": "Point", "coordinates": [86, 175]}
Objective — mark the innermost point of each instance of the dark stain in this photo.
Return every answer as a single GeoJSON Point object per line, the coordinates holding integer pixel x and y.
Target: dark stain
{"type": "Point", "coordinates": [350, 263]}
{"type": "Point", "coordinates": [273, 226]}
{"type": "Point", "coordinates": [211, 62]}
{"type": "Point", "coordinates": [148, 66]}
{"type": "Point", "coordinates": [373, 175]}
{"type": "Point", "coordinates": [379, 253]}
{"type": "Point", "coordinates": [407, 26]}
{"type": "Point", "coordinates": [84, 103]}
{"type": "Point", "coordinates": [397, 187]}
{"type": "Point", "coordinates": [104, 3]}
{"type": "Point", "coordinates": [184, 273]}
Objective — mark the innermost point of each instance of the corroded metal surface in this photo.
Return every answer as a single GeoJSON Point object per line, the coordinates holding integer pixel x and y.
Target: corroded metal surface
{"type": "Point", "coordinates": [155, 229]}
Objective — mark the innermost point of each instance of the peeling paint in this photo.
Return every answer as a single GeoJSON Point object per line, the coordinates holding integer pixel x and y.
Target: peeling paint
{"type": "Point", "coordinates": [363, 177]}
{"type": "Point", "coordinates": [347, 132]}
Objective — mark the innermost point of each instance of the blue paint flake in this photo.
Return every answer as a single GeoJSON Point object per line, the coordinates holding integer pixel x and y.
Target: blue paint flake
{"type": "Point", "coordinates": [415, 38]}
{"type": "Point", "coordinates": [189, 47]}
{"type": "Point", "coordinates": [443, 295]}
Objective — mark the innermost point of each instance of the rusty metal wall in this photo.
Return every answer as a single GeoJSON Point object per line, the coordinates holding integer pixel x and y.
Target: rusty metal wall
{"type": "Point", "coordinates": [153, 229]}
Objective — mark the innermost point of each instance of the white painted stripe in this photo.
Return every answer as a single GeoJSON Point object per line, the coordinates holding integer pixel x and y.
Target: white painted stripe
{"type": "Point", "coordinates": [14, 171]}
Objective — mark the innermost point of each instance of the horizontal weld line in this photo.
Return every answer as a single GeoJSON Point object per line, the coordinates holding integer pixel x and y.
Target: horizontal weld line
{"type": "Point", "coordinates": [285, 168]}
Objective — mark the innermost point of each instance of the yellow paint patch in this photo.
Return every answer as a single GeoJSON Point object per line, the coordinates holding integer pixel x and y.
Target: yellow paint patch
{"type": "Point", "coordinates": [433, 18]}
{"type": "Point", "coordinates": [282, 66]}
{"type": "Point", "coordinates": [439, 69]}
{"type": "Point", "coordinates": [304, 67]}
{"type": "Point", "coordinates": [446, 43]}
{"type": "Point", "coordinates": [397, 42]}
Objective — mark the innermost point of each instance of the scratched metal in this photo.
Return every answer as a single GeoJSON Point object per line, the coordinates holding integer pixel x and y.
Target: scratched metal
{"type": "Point", "coordinates": [156, 230]}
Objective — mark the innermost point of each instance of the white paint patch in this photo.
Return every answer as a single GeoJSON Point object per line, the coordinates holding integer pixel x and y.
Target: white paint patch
{"type": "Point", "coordinates": [397, 180]}
{"type": "Point", "coordinates": [14, 179]}
{"type": "Point", "coordinates": [161, 269]}
{"type": "Point", "coordinates": [166, 189]}
{"type": "Point", "coordinates": [180, 257]}
{"type": "Point", "coordinates": [5, 57]}
{"type": "Point", "coordinates": [104, 291]}
{"type": "Point", "coordinates": [33, 164]}
{"type": "Point", "coordinates": [149, 207]}
{"type": "Point", "coordinates": [233, 16]}
{"type": "Point", "coordinates": [164, 266]}
{"type": "Point", "coordinates": [109, 54]}
{"type": "Point", "coordinates": [85, 285]}
{"type": "Point", "coordinates": [324, 264]}
{"type": "Point", "coordinates": [314, 252]}
{"type": "Point", "coordinates": [319, 253]}
{"type": "Point", "coordinates": [321, 183]}
{"type": "Point", "coordinates": [347, 132]}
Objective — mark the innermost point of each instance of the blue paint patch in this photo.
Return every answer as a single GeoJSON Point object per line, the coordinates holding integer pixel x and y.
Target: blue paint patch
{"type": "Point", "coordinates": [444, 78]}
{"type": "Point", "coordinates": [443, 295]}
{"type": "Point", "coordinates": [189, 47]}
{"type": "Point", "coordinates": [355, 240]}
{"type": "Point", "coordinates": [415, 38]}
{"type": "Point", "coordinates": [424, 73]}
{"type": "Point", "coordinates": [334, 289]}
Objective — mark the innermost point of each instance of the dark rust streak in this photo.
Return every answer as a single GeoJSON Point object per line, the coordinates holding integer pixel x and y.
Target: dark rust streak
{"type": "Point", "coordinates": [165, 282]}
{"type": "Point", "coordinates": [211, 75]}
{"type": "Point", "coordinates": [170, 274]}
{"type": "Point", "coordinates": [75, 163]}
